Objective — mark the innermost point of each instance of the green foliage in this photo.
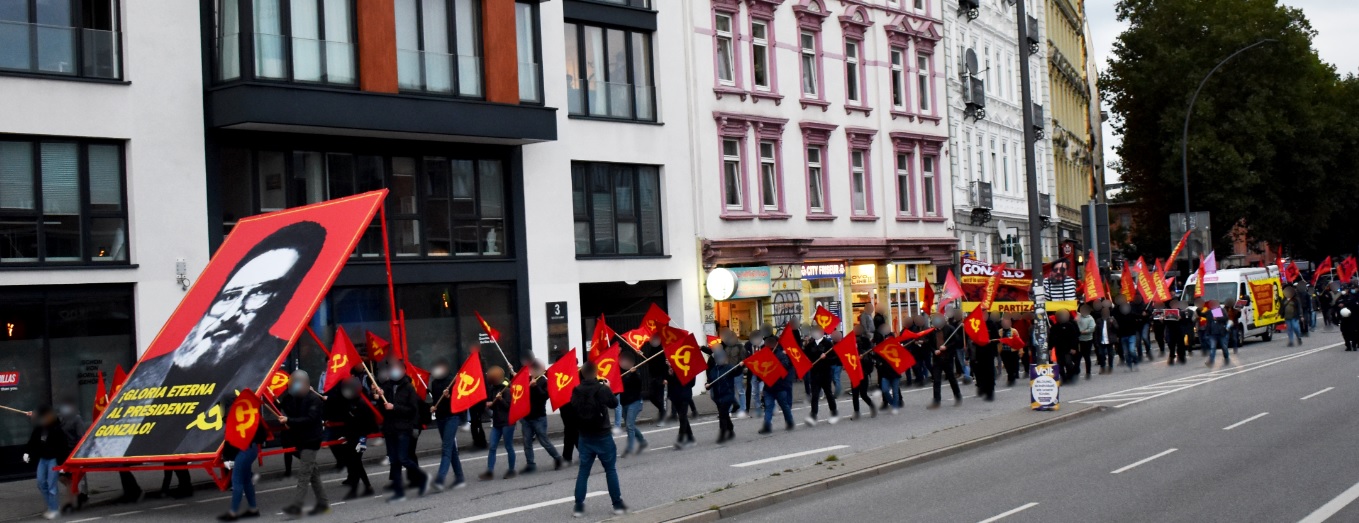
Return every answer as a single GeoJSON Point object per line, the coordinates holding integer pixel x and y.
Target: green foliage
{"type": "Point", "coordinates": [1272, 139]}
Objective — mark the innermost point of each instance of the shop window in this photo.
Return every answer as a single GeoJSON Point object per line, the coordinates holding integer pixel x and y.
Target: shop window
{"type": "Point", "coordinates": [617, 209]}
{"type": "Point", "coordinates": [62, 202]}
{"type": "Point", "coordinates": [76, 38]}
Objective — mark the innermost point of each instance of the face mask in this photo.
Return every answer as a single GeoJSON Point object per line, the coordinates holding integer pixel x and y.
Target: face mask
{"type": "Point", "coordinates": [439, 372]}
{"type": "Point", "coordinates": [297, 389]}
{"type": "Point", "coordinates": [349, 393]}
{"type": "Point", "coordinates": [66, 410]}
{"type": "Point", "coordinates": [396, 374]}
{"type": "Point", "coordinates": [938, 322]}
{"type": "Point", "coordinates": [1124, 309]}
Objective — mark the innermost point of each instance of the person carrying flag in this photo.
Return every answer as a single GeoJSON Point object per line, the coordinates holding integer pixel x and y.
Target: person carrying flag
{"type": "Point", "coordinates": [302, 411]}
{"type": "Point", "coordinates": [864, 346]}
{"type": "Point", "coordinates": [948, 344]}
{"type": "Point", "coordinates": [631, 403]}
{"type": "Point", "coordinates": [781, 392]}
{"type": "Point", "coordinates": [355, 418]}
{"type": "Point", "coordinates": [1009, 355]}
{"type": "Point", "coordinates": [448, 423]}
{"type": "Point", "coordinates": [984, 361]}
{"type": "Point", "coordinates": [722, 390]}
{"type": "Point", "coordinates": [400, 410]}
{"type": "Point", "coordinates": [592, 398]}
{"type": "Point", "coordinates": [681, 395]}
{"type": "Point", "coordinates": [498, 403]}
{"type": "Point", "coordinates": [820, 350]}
{"type": "Point", "coordinates": [535, 423]}
{"type": "Point", "coordinates": [920, 350]}
{"type": "Point", "coordinates": [657, 369]}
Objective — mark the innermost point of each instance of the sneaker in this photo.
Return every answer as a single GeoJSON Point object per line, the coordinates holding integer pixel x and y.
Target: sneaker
{"type": "Point", "coordinates": [396, 499]}
{"type": "Point", "coordinates": [617, 431]}
{"type": "Point", "coordinates": [810, 421]}
{"type": "Point", "coordinates": [319, 509]}
{"type": "Point", "coordinates": [486, 476]}
{"type": "Point", "coordinates": [424, 486]}
{"type": "Point", "coordinates": [292, 510]}
{"type": "Point", "coordinates": [228, 517]}
{"type": "Point", "coordinates": [529, 469]}
{"type": "Point", "coordinates": [764, 430]}
{"type": "Point", "coordinates": [457, 484]}
{"type": "Point", "coordinates": [438, 486]}
{"type": "Point", "coordinates": [895, 411]}
{"type": "Point", "coordinates": [835, 418]}
{"type": "Point", "coordinates": [578, 512]}
{"type": "Point", "coordinates": [252, 513]}
{"type": "Point", "coordinates": [510, 475]}
{"type": "Point", "coordinates": [51, 514]}
{"type": "Point", "coordinates": [660, 422]}
{"type": "Point", "coordinates": [556, 463]}
{"type": "Point", "coordinates": [933, 405]}
{"type": "Point", "coordinates": [640, 447]}
{"type": "Point", "coordinates": [625, 453]}
{"type": "Point", "coordinates": [620, 510]}
{"type": "Point", "coordinates": [743, 415]}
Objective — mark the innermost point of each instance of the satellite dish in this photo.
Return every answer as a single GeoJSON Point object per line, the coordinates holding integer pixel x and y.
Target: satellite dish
{"type": "Point", "coordinates": [970, 61]}
{"type": "Point", "coordinates": [1002, 227]}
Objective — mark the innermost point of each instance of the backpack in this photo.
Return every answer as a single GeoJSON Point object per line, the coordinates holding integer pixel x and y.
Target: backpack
{"type": "Point", "coordinates": [587, 405]}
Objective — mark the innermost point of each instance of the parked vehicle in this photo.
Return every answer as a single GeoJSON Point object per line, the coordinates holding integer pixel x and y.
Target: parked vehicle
{"type": "Point", "coordinates": [1229, 286]}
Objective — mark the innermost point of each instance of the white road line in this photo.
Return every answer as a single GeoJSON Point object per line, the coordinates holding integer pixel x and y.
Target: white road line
{"type": "Point", "coordinates": [126, 513]}
{"type": "Point", "coordinates": [1209, 377]}
{"type": "Point", "coordinates": [170, 506]}
{"type": "Point", "coordinates": [1326, 511]}
{"type": "Point", "coordinates": [1008, 513]}
{"type": "Point", "coordinates": [1143, 462]}
{"type": "Point", "coordinates": [525, 508]}
{"type": "Point", "coordinates": [789, 456]}
{"type": "Point", "coordinates": [1317, 393]}
{"type": "Point", "coordinates": [1245, 421]}
{"type": "Point", "coordinates": [84, 520]}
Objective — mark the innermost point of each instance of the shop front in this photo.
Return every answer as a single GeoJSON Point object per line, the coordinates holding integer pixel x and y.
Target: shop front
{"type": "Point", "coordinates": [824, 286]}
{"type": "Point", "coordinates": [739, 296]}
{"type": "Point", "coordinates": [905, 290]}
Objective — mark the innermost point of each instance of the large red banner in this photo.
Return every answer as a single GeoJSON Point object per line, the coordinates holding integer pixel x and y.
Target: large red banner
{"type": "Point", "coordinates": [231, 331]}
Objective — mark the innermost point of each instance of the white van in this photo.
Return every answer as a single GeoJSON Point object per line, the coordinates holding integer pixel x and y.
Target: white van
{"type": "Point", "coordinates": [1229, 286]}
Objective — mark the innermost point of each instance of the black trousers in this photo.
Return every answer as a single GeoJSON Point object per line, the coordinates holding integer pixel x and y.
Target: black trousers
{"type": "Point", "coordinates": [1010, 359]}
{"type": "Point", "coordinates": [984, 369]}
{"type": "Point", "coordinates": [348, 455]}
{"type": "Point", "coordinates": [657, 396]}
{"type": "Point", "coordinates": [1177, 348]}
{"type": "Point", "coordinates": [1067, 361]}
{"type": "Point", "coordinates": [944, 368]}
{"type": "Point", "coordinates": [822, 385]}
{"type": "Point", "coordinates": [1158, 331]}
{"type": "Point", "coordinates": [861, 393]}
{"type": "Point", "coordinates": [570, 431]}
{"type": "Point", "coordinates": [724, 425]}
{"type": "Point", "coordinates": [1084, 353]}
{"type": "Point", "coordinates": [478, 432]}
{"type": "Point", "coordinates": [681, 408]}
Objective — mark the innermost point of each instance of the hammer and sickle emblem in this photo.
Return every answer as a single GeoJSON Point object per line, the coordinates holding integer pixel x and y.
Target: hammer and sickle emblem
{"type": "Point", "coordinates": [245, 417]}
{"type": "Point", "coordinates": [823, 320]}
{"type": "Point", "coordinates": [891, 354]}
{"type": "Point", "coordinates": [795, 354]}
{"type": "Point", "coordinates": [974, 324]}
{"type": "Point", "coordinates": [466, 385]}
{"type": "Point", "coordinates": [517, 392]}
{"type": "Point", "coordinates": [278, 382]}
{"type": "Point", "coordinates": [766, 367]}
{"type": "Point", "coordinates": [669, 336]}
{"type": "Point", "coordinates": [605, 366]}
{"type": "Point", "coordinates": [681, 359]}
{"type": "Point", "coordinates": [338, 361]}
{"type": "Point", "coordinates": [852, 361]}
{"type": "Point", "coordinates": [562, 381]}
{"type": "Point", "coordinates": [202, 423]}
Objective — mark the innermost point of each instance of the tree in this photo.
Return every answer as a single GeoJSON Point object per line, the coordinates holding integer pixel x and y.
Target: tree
{"type": "Point", "coordinates": [1270, 139]}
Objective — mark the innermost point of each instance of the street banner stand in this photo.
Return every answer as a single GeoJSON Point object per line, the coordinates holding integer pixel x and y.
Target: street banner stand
{"type": "Point", "coordinates": [1045, 387]}
{"type": "Point", "coordinates": [1011, 296]}
{"type": "Point", "coordinates": [232, 330]}
{"type": "Point", "coordinates": [1266, 300]}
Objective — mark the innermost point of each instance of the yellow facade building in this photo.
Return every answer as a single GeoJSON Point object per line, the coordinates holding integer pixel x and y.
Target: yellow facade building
{"type": "Point", "coordinates": [1069, 102]}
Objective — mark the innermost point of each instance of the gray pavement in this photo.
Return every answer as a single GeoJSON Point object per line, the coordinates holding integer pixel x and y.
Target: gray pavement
{"type": "Point", "coordinates": [662, 475]}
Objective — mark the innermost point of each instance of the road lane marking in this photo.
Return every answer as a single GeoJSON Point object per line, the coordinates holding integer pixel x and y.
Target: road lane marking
{"type": "Point", "coordinates": [84, 520]}
{"type": "Point", "coordinates": [126, 513]}
{"type": "Point", "coordinates": [789, 456]}
{"type": "Point", "coordinates": [1317, 393]}
{"type": "Point", "coordinates": [1157, 390]}
{"type": "Point", "coordinates": [1245, 421]}
{"type": "Point", "coordinates": [1143, 462]}
{"type": "Point", "coordinates": [170, 506]}
{"type": "Point", "coordinates": [1008, 513]}
{"type": "Point", "coordinates": [1329, 509]}
{"type": "Point", "coordinates": [525, 508]}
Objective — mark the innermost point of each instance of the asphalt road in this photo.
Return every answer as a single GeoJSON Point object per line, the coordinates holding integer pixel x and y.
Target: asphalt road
{"type": "Point", "coordinates": [662, 474]}
{"type": "Point", "coordinates": [1271, 441]}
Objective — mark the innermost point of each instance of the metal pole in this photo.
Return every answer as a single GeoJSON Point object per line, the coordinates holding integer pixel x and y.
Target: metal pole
{"type": "Point", "coordinates": [1040, 325]}
{"type": "Point", "coordinates": [1184, 141]}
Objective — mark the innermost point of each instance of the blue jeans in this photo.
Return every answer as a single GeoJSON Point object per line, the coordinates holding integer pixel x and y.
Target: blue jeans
{"type": "Point", "coordinates": [448, 437]}
{"type": "Point", "coordinates": [617, 415]}
{"type": "Point", "coordinates": [400, 455]}
{"type": "Point", "coordinates": [499, 434]}
{"type": "Point", "coordinates": [891, 392]}
{"type": "Point", "coordinates": [1294, 330]}
{"type": "Point", "coordinates": [242, 479]}
{"type": "Point", "coordinates": [1144, 338]}
{"type": "Point", "coordinates": [740, 393]}
{"type": "Point", "coordinates": [536, 430]}
{"type": "Point", "coordinates": [630, 412]}
{"type": "Point", "coordinates": [1213, 342]}
{"type": "Point", "coordinates": [601, 447]}
{"type": "Point", "coordinates": [1129, 350]}
{"type": "Point", "coordinates": [47, 482]}
{"type": "Point", "coordinates": [756, 392]}
{"type": "Point", "coordinates": [967, 369]}
{"type": "Point", "coordinates": [784, 398]}
{"type": "Point", "coordinates": [836, 370]}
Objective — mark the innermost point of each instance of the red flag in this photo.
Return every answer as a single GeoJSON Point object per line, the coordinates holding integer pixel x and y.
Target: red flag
{"type": "Point", "coordinates": [1347, 269]}
{"type": "Point", "coordinates": [606, 363]}
{"type": "Point", "coordinates": [519, 396]}
{"type": "Point", "coordinates": [277, 383]}
{"type": "Point", "coordinates": [119, 377]}
{"type": "Point", "coordinates": [243, 419]}
{"type": "Point", "coordinates": [468, 389]}
{"type": "Point", "coordinates": [562, 378]}
{"type": "Point", "coordinates": [636, 338]}
{"type": "Point", "coordinates": [1145, 287]}
{"type": "Point", "coordinates": [793, 348]}
{"type": "Point", "coordinates": [974, 325]}
{"type": "Point", "coordinates": [1278, 262]}
{"type": "Point", "coordinates": [927, 298]}
{"type": "Point", "coordinates": [908, 335]}
{"type": "Point", "coordinates": [1160, 287]}
{"type": "Point", "coordinates": [992, 287]}
{"type": "Point", "coordinates": [714, 342]}
{"type": "Point", "coordinates": [895, 355]}
{"type": "Point", "coordinates": [764, 364]}
{"type": "Point", "coordinates": [419, 378]}
{"type": "Point", "coordinates": [602, 336]}
{"type": "Point", "coordinates": [848, 352]}
{"type": "Point", "coordinates": [1013, 340]}
{"type": "Point", "coordinates": [376, 346]}
{"type": "Point", "coordinates": [1175, 253]}
{"type": "Point", "coordinates": [655, 319]}
{"type": "Point", "coordinates": [1199, 276]}
{"type": "Point", "coordinates": [343, 358]}
{"type": "Point", "coordinates": [1091, 284]}
{"type": "Point", "coordinates": [953, 291]}
{"type": "Point", "coordinates": [1323, 268]}
{"type": "Point", "coordinates": [1293, 272]}
{"type": "Point", "coordinates": [824, 319]}
{"type": "Point", "coordinates": [101, 396]}
{"type": "Point", "coordinates": [1126, 282]}
{"type": "Point", "coordinates": [490, 331]}
{"type": "Point", "coordinates": [685, 358]}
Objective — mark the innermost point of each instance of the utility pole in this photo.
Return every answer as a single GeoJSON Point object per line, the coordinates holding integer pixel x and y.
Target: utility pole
{"type": "Point", "coordinates": [1040, 324]}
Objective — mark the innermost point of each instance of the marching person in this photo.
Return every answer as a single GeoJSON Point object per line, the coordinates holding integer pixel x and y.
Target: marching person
{"type": "Point", "coordinates": [356, 420]}
{"type": "Point", "coordinates": [754, 386]}
{"type": "Point", "coordinates": [1213, 325]}
{"type": "Point", "coordinates": [984, 363]}
{"type": "Point", "coordinates": [301, 418]}
{"type": "Point", "coordinates": [535, 422]}
{"type": "Point", "coordinates": [1292, 314]}
{"type": "Point", "coordinates": [1347, 310]}
{"type": "Point", "coordinates": [864, 346]}
{"type": "Point", "coordinates": [592, 399]}
{"type": "Point", "coordinates": [657, 369]}
{"type": "Point", "coordinates": [475, 417]}
{"type": "Point", "coordinates": [448, 422]}
{"type": "Point", "coordinates": [722, 389]}
{"type": "Point", "coordinates": [781, 392]}
{"type": "Point", "coordinates": [1106, 338]}
{"type": "Point", "coordinates": [948, 343]}
{"type": "Point", "coordinates": [1009, 356]}
{"type": "Point", "coordinates": [241, 462]}
{"type": "Point", "coordinates": [918, 372]}
{"type": "Point", "coordinates": [400, 410]}
{"type": "Point", "coordinates": [1174, 336]}
{"type": "Point", "coordinates": [735, 353]}
{"type": "Point", "coordinates": [1129, 325]}
{"type": "Point", "coordinates": [632, 403]}
{"type": "Point", "coordinates": [681, 395]}
{"type": "Point", "coordinates": [498, 403]}
{"type": "Point", "coordinates": [74, 427]}
{"type": "Point", "coordinates": [1065, 338]}
{"type": "Point", "coordinates": [47, 446]}
{"type": "Point", "coordinates": [821, 351]}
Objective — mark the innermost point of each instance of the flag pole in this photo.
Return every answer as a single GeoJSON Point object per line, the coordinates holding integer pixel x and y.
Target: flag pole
{"type": "Point", "coordinates": [709, 384]}
{"type": "Point", "coordinates": [625, 342]}
{"type": "Point", "coordinates": [16, 411]}
{"type": "Point", "coordinates": [643, 362]}
{"type": "Point", "coordinates": [387, 260]}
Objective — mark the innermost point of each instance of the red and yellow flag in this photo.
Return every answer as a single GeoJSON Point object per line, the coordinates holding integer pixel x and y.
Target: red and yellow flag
{"type": "Point", "coordinates": [606, 363]}
{"type": "Point", "coordinates": [468, 390]}
{"type": "Point", "coordinates": [343, 358]}
{"type": "Point", "coordinates": [1126, 282]}
{"type": "Point", "coordinates": [490, 331]}
{"type": "Point", "coordinates": [602, 336]}
{"type": "Point", "coordinates": [655, 319]}
{"type": "Point", "coordinates": [908, 335]}
{"type": "Point", "coordinates": [974, 325]}
{"type": "Point", "coordinates": [992, 287]}
{"type": "Point", "coordinates": [1092, 286]}
{"type": "Point", "coordinates": [1200, 275]}
{"type": "Point", "coordinates": [277, 383]}
{"type": "Point", "coordinates": [119, 377]}
{"type": "Point", "coordinates": [243, 420]}
{"type": "Point", "coordinates": [101, 396]}
{"type": "Point", "coordinates": [824, 319]}
{"type": "Point", "coordinates": [1146, 285]}
{"type": "Point", "coordinates": [377, 347]}
{"type": "Point", "coordinates": [848, 352]}
{"type": "Point", "coordinates": [765, 365]}
{"type": "Point", "coordinates": [927, 298]}
{"type": "Point", "coordinates": [562, 378]}
{"type": "Point", "coordinates": [1160, 287]}
{"type": "Point", "coordinates": [685, 358]}
{"type": "Point", "coordinates": [636, 338]}
{"type": "Point", "coordinates": [895, 355]}
{"type": "Point", "coordinates": [519, 396]}
{"type": "Point", "coordinates": [1175, 253]}
{"type": "Point", "coordinates": [793, 348]}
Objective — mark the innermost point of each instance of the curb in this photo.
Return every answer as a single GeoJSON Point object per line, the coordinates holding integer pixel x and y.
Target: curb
{"type": "Point", "coordinates": [847, 478]}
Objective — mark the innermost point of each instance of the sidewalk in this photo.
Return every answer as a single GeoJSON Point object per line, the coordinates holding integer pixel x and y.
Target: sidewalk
{"type": "Point", "coordinates": [786, 486]}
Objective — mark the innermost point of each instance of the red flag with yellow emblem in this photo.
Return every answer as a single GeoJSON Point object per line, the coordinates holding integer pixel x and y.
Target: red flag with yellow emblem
{"type": "Point", "coordinates": [343, 358]}
{"type": "Point", "coordinates": [519, 396]}
{"type": "Point", "coordinates": [562, 378]}
{"type": "Point", "coordinates": [764, 364]}
{"type": "Point", "coordinates": [377, 347]}
{"type": "Point", "coordinates": [490, 331]}
{"type": "Point", "coordinates": [243, 419]}
{"type": "Point", "coordinates": [101, 396]}
{"type": "Point", "coordinates": [975, 327]}
{"type": "Point", "coordinates": [895, 355]}
{"type": "Point", "coordinates": [606, 363]}
{"type": "Point", "coordinates": [685, 358]}
{"type": "Point", "coordinates": [277, 383]}
{"type": "Point", "coordinates": [655, 319]}
{"type": "Point", "coordinates": [790, 345]}
{"type": "Point", "coordinates": [848, 352]}
{"type": "Point", "coordinates": [1092, 286]}
{"type": "Point", "coordinates": [602, 336]}
{"type": "Point", "coordinates": [992, 287]}
{"type": "Point", "coordinates": [119, 377]}
{"type": "Point", "coordinates": [468, 389]}
{"type": "Point", "coordinates": [824, 319]}
{"type": "Point", "coordinates": [636, 338]}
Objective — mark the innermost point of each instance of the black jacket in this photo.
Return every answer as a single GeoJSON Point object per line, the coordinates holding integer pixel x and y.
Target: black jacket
{"type": "Point", "coordinates": [405, 406]}
{"type": "Point", "coordinates": [499, 404]}
{"type": "Point", "coordinates": [1065, 336]}
{"type": "Point", "coordinates": [304, 420]}
{"type": "Point", "coordinates": [597, 394]}
{"type": "Point", "coordinates": [537, 399]}
{"type": "Point", "coordinates": [48, 442]}
{"type": "Point", "coordinates": [632, 388]}
{"type": "Point", "coordinates": [821, 370]}
{"type": "Point", "coordinates": [355, 419]}
{"type": "Point", "coordinates": [677, 391]}
{"type": "Point", "coordinates": [437, 386]}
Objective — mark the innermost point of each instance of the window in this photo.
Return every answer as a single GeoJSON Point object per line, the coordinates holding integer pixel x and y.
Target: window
{"type": "Point", "coordinates": [898, 78]}
{"type": "Point", "coordinates": [994, 170]}
{"type": "Point", "coordinates": [438, 46]}
{"type": "Point", "coordinates": [617, 209]}
{"type": "Point", "coordinates": [986, 60]}
{"type": "Point", "coordinates": [608, 73]}
{"type": "Point", "coordinates": [903, 183]}
{"type": "Point", "coordinates": [629, 3]}
{"type": "Point", "coordinates": [816, 182]}
{"type": "Point", "coordinates": [1005, 164]}
{"type": "Point", "coordinates": [726, 68]}
{"type": "Point", "coordinates": [858, 183]}
{"type": "Point", "coordinates": [925, 86]}
{"type": "Point", "coordinates": [810, 83]}
{"type": "Point", "coordinates": [769, 177]}
{"type": "Point", "coordinates": [919, 4]}
{"type": "Point", "coordinates": [927, 187]}
{"type": "Point", "coordinates": [61, 37]}
{"type": "Point", "coordinates": [733, 178]}
{"type": "Point", "coordinates": [852, 72]}
{"type": "Point", "coordinates": [981, 159]}
{"type": "Point", "coordinates": [62, 202]}
{"type": "Point", "coordinates": [526, 42]}
{"type": "Point", "coordinates": [759, 54]}
{"type": "Point", "coordinates": [303, 40]}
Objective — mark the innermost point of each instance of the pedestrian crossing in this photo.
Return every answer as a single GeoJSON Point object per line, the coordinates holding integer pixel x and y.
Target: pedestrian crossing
{"type": "Point", "coordinates": [1137, 395]}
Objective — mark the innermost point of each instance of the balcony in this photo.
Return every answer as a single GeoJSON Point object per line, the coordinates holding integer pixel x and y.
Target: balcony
{"type": "Point", "coordinates": [611, 100]}
{"type": "Point", "coordinates": [530, 83]}
{"type": "Point", "coordinates": [60, 50]}
{"type": "Point", "coordinates": [439, 73]}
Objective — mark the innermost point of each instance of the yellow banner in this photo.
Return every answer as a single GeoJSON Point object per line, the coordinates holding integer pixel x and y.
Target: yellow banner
{"type": "Point", "coordinates": [1266, 301]}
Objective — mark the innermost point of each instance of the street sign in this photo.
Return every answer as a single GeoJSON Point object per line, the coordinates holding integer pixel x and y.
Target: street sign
{"type": "Point", "coordinates": [1045, 387]}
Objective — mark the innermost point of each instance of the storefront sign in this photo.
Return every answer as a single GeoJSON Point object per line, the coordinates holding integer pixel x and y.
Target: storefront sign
{"type": "Point", "coordinates": [823, 270]}
{"type": "Point", "coordinates": [9, 381]}
{"type": "Point", "coordinates": [1045, 386]}
{"type": "Point", "coordinates": [734, 283]}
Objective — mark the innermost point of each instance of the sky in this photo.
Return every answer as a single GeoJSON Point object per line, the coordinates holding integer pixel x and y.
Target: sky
{"type": "Point", "coordinates": [1332, 19]}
